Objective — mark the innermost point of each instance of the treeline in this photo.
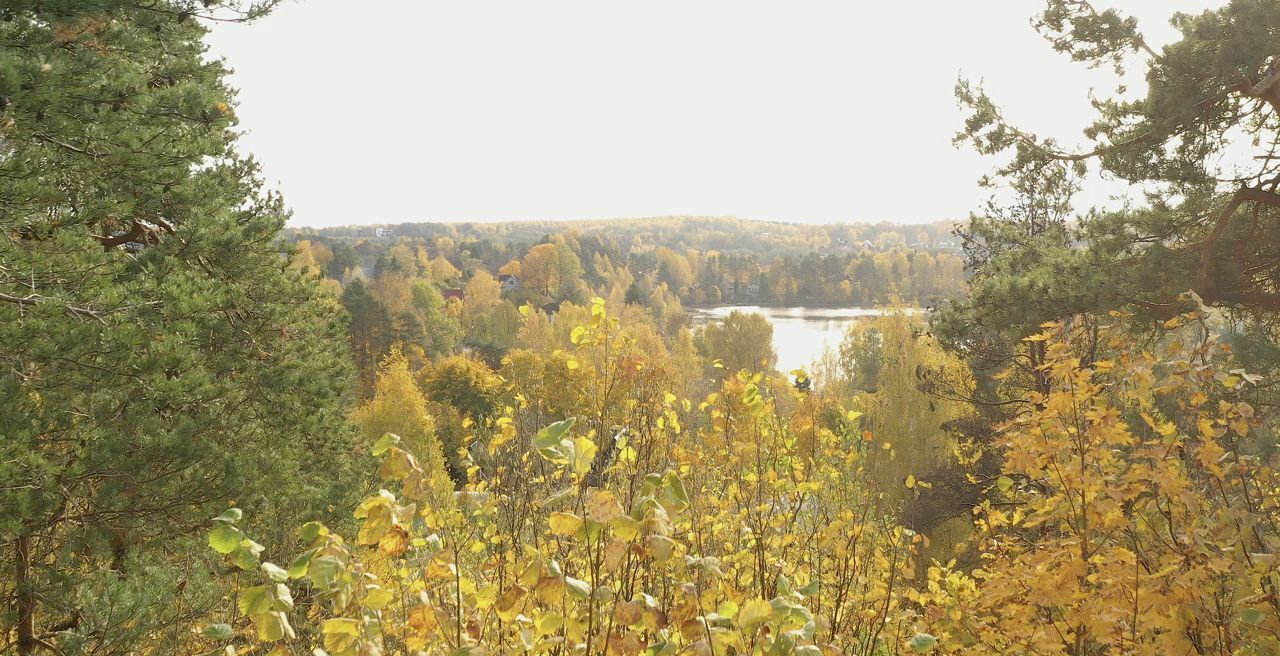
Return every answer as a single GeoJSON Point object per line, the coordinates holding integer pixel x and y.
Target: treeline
{"type": "Point", "coordinates": [700, 260]}
{"type": "Point", "coordinates": [681, 233]}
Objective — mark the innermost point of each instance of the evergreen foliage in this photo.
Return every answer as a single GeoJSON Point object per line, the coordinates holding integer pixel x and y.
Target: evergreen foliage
{"type": "Point", "coordinates": [160, 361]}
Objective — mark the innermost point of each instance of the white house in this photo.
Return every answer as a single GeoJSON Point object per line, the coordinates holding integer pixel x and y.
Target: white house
{"type": "Point", "coordinates": [508, 282]}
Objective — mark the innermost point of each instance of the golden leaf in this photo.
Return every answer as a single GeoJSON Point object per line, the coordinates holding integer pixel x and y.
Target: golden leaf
{"type": "Point", "coordinates": [563, 523]}
{"type": "Point", "coordinates": [603, 506]}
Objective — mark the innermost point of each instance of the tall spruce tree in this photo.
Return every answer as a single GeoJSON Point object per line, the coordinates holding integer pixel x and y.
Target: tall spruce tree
{"type": "Point", "coordinates": [157, 360]}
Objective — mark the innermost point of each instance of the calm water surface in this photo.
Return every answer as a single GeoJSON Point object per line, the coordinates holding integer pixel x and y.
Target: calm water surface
{"type": "Point", "coordinates": [800, 334]}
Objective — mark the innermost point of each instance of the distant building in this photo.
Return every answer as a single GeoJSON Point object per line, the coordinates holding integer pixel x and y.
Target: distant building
{"type": "Point", "coordinates": [508, 282]}
{"type": "Point", "coordinates": [383, 232]}
{"type": "Point", "coordinates": [454, 293]}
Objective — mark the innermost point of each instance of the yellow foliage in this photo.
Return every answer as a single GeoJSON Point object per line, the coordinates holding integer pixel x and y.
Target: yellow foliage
{"type": "Point", "coordinates": [1134, 518]}
{"type": "Point", "coordinates": [742, 525]}
{"type": "Point", "coordinates": [399, 408]}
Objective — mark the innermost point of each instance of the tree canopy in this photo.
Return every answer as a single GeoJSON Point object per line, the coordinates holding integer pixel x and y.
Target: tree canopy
{"type": "Point", "coordinates": [160, 359]}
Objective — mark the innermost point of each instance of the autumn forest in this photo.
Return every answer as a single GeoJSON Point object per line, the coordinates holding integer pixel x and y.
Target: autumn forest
{"type": "Point", "coordinates": [1053, 432]}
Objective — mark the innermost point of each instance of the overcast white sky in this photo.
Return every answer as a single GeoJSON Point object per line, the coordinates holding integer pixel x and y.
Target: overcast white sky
{"type": "Point", "coordinates": [803, 110]}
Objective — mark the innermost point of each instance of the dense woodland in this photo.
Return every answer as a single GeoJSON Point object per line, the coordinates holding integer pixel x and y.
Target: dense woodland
{"type": "Point", "coordinates": [438, 289]}
{"type": "Point", "coordinates": [699, 260]}
{"type": "Point", "coordinates": [220, 436]}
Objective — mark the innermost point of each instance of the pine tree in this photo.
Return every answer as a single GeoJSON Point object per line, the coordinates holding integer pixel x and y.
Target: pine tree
{"type": "Point", "coordinates": [159, 361]}
{"type": "Point", "coordinates": [1200, 142]}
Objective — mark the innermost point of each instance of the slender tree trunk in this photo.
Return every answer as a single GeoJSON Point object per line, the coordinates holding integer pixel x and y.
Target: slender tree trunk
{"type": "Point", "coordinates": [26, 599]}
{"type": "Point", "coordinates": [1038, 356]}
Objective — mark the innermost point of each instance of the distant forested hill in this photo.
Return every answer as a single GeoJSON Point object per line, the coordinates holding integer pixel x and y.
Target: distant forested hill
{"type": "Point", "coordinates": [725, 234]}
{"type": "Point", "coordinates": [700, 260]}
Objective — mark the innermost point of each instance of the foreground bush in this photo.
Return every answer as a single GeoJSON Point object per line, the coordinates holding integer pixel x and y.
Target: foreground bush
{"type": "Point", "coordinates": [1137, 513]}
{"type": "Point", "coordinates": [754, 534]}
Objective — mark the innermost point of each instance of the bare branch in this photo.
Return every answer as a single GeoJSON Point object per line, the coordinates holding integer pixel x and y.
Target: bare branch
{"type": "Point", "coordinates": [35, 299]}
{"type": "Point", "coordinates": [1205, 246]}
{"type": "Point", "coordinates": [1268, 88]}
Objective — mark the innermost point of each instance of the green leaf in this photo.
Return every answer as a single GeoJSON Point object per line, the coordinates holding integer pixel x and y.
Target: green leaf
{"type": "Point", "coordinates": [323, 571]}
{"type": "Point", "coordinates": [385, 442]}
{"type": "Point", "coordinates": [552, 444]}
{"type": "Point", "coordinates": [230, 516]}
{"type": "Point", "coordinates": [561, 454]}
{"type": "Point", "coordinates": [218, 632]}
{"type": "Point", "coordinates": [674, 495]}
{"type": "Point", "coordinates": [282, 598]}
{"type": "Point", "coordinates": [923, 642]}
{"type": "Point", "coordinates": [255, 600]}
{"type": "Point", "coordinates": [784, 584]}
{"type": "Point", "coordinates": [246, 557]}
{"type": "Point", "coordinates": [298, 568]}
{"type": "Point", "coordinates": [225, 538]}
{"type": "Point", "coordinates": [312, 530]}
{"type": "Point", "coordinates": [782, 645]}
{"type": "Point", "coordinates": [274, 572]}
{"type": "Point", "coordinates": [661, 649]}
{"type": "Point", "coordinates": [558, 496]}
{"type": "Point", "coordinates": [1251, 615]}
{"type": "Point", "coordinates": [550, 436]}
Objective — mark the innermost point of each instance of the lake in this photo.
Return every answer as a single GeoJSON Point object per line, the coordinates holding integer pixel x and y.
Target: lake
{"type": "Point", "coordinates": [800, 334]}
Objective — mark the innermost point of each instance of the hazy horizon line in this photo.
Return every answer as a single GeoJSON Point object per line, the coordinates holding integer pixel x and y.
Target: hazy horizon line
{"type": "Point", "coordinates": [291, 224]}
